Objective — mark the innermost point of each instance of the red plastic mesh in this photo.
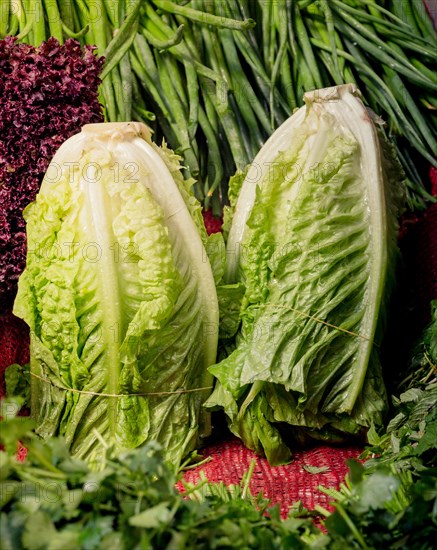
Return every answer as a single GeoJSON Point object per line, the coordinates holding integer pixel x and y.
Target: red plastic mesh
{"type": "Point", "coordinates": [283, 485]}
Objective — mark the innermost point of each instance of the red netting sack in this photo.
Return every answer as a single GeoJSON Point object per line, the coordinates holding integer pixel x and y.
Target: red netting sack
{"type": "Point", "coordinates": [283, 485]}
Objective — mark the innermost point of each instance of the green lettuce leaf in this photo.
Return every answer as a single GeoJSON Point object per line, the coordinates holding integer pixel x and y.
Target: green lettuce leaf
{"type": "Point", "coordinates": [312, 243]}
{"type": "Point", "coordinates": [120, 298]}
{"type": "Point", "coordinates": [234, 188]}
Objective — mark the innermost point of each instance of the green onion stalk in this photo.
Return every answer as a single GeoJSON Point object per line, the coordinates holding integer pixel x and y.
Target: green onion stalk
{"type": "Point", "coordinates": [214, 78]}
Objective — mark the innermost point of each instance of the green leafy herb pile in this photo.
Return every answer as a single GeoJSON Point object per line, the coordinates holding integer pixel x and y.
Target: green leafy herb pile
{"type": "Point", "coordinates": [391, 502]}
{"type": "Point", "coordinates": [422, 368]}
{"type": "Point", "coordinates": [54, 501]}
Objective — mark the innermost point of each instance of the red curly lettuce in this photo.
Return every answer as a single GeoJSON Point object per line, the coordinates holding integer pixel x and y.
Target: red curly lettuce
{"type": "Point", "coordinates": [47, 94]}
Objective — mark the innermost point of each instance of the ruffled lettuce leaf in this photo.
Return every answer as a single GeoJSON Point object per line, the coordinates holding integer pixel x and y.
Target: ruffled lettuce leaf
{"type": "Point", "coordinates": [234, 188]}
{"type": "Point", "coordinates": [120, 298]}
{"type": "Point", "coordinates": [313, 240]}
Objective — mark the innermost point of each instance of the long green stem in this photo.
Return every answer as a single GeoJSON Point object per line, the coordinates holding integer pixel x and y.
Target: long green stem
{"type": "Point", "coordinates": [13, 25]}
{"type": "Point", "coordinates": [118, 88]}
{"type": "Point", "coordinates": [39, 28]}
{"type": "Point", "coordinates": [423, 20]}
{"type": "Point", "coordinates": [242, 86]}
{"type": "Point", "coordinates": [122, 40]}
{"type": "Point", "coordinates": [305, 44]}
{"type": "Point", "coordinates": [193, 98]}
{"type": "Point", "coordinates": [329, 19]}
{"type": "Point", "coordinates": [204, 17]}
{"type": "Point", "coordinates": [127, 85]}
{"type": "Point", "coordinates": [164, 44]}
{"type": "Point", "coordinates": [384, 89]}
{"type": "Point", "coordinates": [72, 34]}
{"type": "Point", "coordinates": [54, 19]}
{"type": "Point", "coordinates": [4, 18]}
{"type": "Point", "coordinates": [281, 18]}
{"type": "Point", "coordinates": [215, 169]}
{"type": "Point", "coordinates": [379, 49]}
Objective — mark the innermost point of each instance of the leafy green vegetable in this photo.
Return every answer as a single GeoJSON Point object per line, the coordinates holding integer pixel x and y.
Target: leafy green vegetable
{"type": "Point", "coordinates": [120, 297]}
{"type": "Point", "coordinates": [315, 469]}
{"type": "Point", "coordinates": [410, 433]}
{"type": "Point", "coordinates": [391, 500]}
{"type": "Point", "coordinates": [17, 381]}
{"type": "Point", "coordinates": [54, 500]}
{"type": "Point", "coordinates": [13, 426]}
{"type": "Point", "coordinates": [423, 366]}
{"type": "Point", "coordinates": [313, 241]}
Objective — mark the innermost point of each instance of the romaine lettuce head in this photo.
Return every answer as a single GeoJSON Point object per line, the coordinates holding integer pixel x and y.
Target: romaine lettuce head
{"type": "Point", "coordinates": [120, 297]}
{"type": "Point", "coordinates": [312, 240]}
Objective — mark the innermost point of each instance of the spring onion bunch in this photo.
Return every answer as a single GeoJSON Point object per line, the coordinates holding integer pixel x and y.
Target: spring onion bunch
{"type": "Point", "coordinates": [216, 77]}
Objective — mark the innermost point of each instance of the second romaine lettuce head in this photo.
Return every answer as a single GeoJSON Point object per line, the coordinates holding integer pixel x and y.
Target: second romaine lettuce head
{"type": "Point", "coordinates": [313, 241]}
{"type": "Point", "coordinates": [120, 297]}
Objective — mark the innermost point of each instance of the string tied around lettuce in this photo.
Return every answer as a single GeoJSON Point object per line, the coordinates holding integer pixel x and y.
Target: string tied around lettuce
{"type": "Point", "coordinates": [321, 321]}
{"type": "Point", "coordinates": [103, 394]}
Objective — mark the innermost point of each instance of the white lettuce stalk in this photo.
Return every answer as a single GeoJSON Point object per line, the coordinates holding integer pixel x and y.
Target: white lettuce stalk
{"type": "Point", "coordinates": [312, 240]}
{"type": "Point", "coordinates": [119, 296]}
